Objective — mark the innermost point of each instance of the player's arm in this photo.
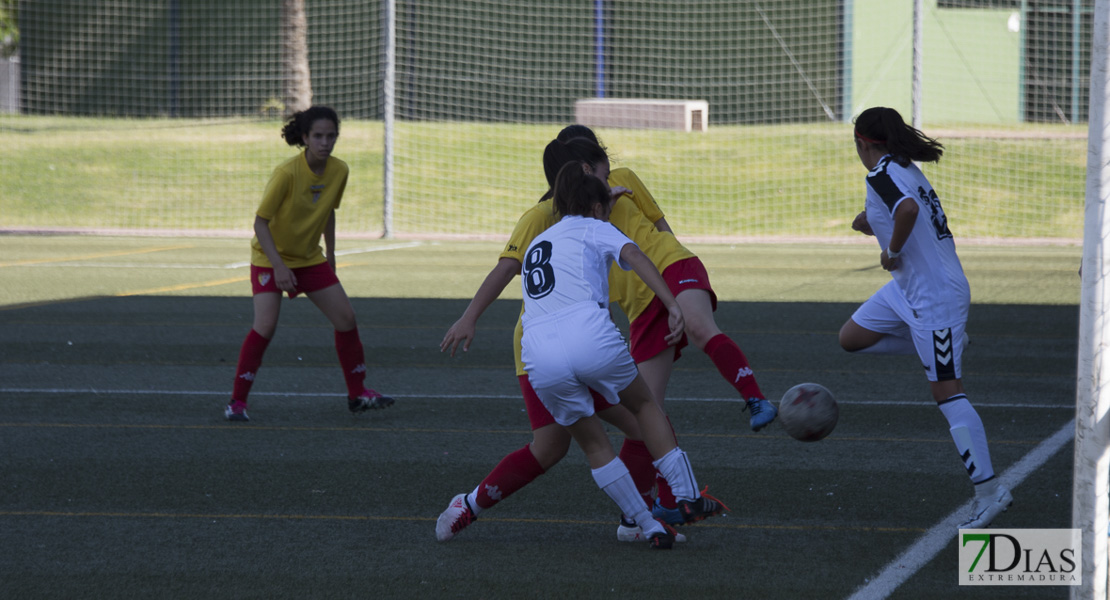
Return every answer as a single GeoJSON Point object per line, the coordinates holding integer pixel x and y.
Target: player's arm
{"type": "Point", "coordinates": [283, 275]}
{"type": "Point", "coordinates": [642, 265]}
{"type": "Point", "coordinates": [463, 329]}
{"type": "Point", "coordinates": [905, 216]}
{"type": "Point", "coordinates": [662, 225]}
{"type": "Point", "coordinates": [329, 240]}
{"type": "Point", "coordinates": [861, 225]}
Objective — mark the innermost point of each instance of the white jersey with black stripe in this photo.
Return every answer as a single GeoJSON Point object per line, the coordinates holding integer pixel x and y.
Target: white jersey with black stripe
{"type": "Point", "coordinates": [929, 275]}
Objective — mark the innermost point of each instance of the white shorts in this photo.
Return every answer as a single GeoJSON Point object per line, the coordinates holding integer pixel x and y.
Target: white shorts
{"type": "Point", "coordinates": [568, 352]}
{"type": "Point", "coordinates": [940, 350]}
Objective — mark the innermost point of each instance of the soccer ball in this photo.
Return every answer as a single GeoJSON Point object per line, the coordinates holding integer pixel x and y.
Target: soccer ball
{"type": "Point", "coordinates": [808, 412]}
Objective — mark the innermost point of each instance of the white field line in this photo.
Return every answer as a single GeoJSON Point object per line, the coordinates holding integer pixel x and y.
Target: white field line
{"type": "Point", "coordinates": [435, 396]}
{"type": "Point", "coordinates": [936, 539]}
{"type": "Point", "coordinates": [234, 265]}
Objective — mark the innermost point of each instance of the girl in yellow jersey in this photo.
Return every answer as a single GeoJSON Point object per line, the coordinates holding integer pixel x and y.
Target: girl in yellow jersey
{"type": "Point", "coordinates": [298, 208]}
{"type": "Point", "coordinates": [639, 217]}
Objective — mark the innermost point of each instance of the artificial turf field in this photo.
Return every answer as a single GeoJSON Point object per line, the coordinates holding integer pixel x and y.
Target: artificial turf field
{"type": "Point", "coordinates": [119, 477]}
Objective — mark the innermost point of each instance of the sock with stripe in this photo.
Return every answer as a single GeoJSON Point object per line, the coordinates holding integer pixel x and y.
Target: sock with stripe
{"type": "Point", "coordinates": [675, 468]}
{"type": "Point", "coordinates": [970, 436]}
{"type": "Point", "coordinates": [348, 346]}
{"type": "Point", "coordinates": [515, 471]}
{"type": "Point", "coordinates": [250, 359]}
{"type": "Point", "coordinates": [733, 365]}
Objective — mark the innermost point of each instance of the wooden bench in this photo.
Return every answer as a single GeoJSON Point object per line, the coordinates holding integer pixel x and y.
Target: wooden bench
{"type": "Point", "coordinates": [643, 113]}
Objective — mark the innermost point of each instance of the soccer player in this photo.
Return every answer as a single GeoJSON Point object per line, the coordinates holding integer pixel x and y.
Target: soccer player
{"type": "Point", "coordinates": [550, 441]}
{"type": "Point", "coordinates": [571, 345]}
{"type": "Point", "coordinates": [923, 309]}
{"type": "Point", "coordinates": [298, 207]}
{"type": "Point", "coordinates": [638, 216]}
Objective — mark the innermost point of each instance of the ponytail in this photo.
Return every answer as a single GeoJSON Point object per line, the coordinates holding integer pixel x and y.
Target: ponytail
{"type": "Point", "coordinates": [300, 123]}
{"type": "Point", "coordinates": [884, 126]}
{"type": "Point", "coordinates": [576, 192]}
{"type": "Point", "coordinates": [559, 153]}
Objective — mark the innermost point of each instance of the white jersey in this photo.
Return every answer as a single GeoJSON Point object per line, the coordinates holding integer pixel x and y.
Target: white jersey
{"type": "Point", "coordinates": [568, 264]}
{"type": "Point", "coordinates": [570, 344]}
{"type": "Point", "coordinates": [929, 276]}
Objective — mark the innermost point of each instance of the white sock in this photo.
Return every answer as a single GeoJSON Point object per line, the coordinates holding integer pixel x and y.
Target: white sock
{"type": "Point", "coordinates": [987, 489]}
{"type": "Point", "coordinates": [615, 481]}
{"type": "Point", "coordinates": [890, 344]}
{"type": "Point", "coordinates": [971, 438]}
{"type": "Point", "coordinates": [675, 468]}
{"type": "Point", "coordinates": [472, 501]}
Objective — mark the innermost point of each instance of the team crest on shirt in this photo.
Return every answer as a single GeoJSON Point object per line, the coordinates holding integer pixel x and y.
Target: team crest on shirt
{"type": "Point", "coordinates": [263, 279]}
{"type": "Point", "coordinates": [316, 191]}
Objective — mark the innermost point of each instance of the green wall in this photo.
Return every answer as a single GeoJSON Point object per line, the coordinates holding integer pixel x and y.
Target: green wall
{"type": "Point", "coordinates": [970, 62]}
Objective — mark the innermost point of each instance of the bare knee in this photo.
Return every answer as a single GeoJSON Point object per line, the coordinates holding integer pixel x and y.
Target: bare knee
{"type": "Point", "coordinates": [550, 444]}
{"type": "Point", "coordinates": [854, 338]}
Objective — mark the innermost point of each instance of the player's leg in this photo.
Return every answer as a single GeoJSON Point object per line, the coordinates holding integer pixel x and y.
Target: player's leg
{"type": "Point", "coordinates": [671, 461]}
{"type": "Point", "coordinates": [333, 302]}
{"type": "Point", "coordinates": [612, 476]}
{"type": "Point", "coordinates": [550, 443]}
{"type": "Point", "coordinates": [697, 308]}
{"type": "Point", "coordinates": [267, 309]}
{"type": "Point", "coordinates": [941, 353]}
{"type": "Point", "coordinates": [876, 327]}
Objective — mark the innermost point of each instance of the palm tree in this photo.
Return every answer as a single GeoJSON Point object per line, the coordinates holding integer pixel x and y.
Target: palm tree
{"type": "Point", "coordinates": [296, 89]}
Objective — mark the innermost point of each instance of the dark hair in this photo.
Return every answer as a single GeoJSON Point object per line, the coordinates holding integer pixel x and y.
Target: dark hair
{"type": "Point", "coordinates": [576, 192]}
{"type": "Point", "coordinates": [558, 153]}
{"type": "Point", "coordinates": [884, 126]}
{"type": "Point", "coordinates": [301, 122]}
{"type": "Point", "coordinates": [574, 131]}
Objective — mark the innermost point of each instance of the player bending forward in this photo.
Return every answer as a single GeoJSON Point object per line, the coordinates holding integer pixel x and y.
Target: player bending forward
{"type": "Point", "coordinates": [923, 309]}
{"type": "Point", "coordinates": [571, 345]}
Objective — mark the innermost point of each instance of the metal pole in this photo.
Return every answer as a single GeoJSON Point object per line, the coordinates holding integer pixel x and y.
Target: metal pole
{"type": "Point", "coordinates": [1092, 403]}
{"type": "Point", "coordinates": [599, 47]}
{"type": "Point", "coordinates": [918, 17]}
{"type": "Point", "coordinates": [388, 83]}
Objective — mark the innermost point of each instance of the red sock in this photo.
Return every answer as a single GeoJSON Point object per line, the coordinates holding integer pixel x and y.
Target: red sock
{"type": "Point", "coordinates": [250, 358]}
{"type": "Point", "coordinates": [515, 471]}
{"type": "Point", "coordinates": [634, 454]}
{"type": "Point", "coordinates": [733, 365]}
{"type": "Point", "coordinates": [349, 348]}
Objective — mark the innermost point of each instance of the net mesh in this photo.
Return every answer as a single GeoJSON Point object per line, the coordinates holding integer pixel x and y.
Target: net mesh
{"type": "Point", "coordinates": [154, 116]}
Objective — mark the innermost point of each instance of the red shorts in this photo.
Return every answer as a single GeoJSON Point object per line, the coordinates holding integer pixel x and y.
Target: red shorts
{"type": "Point", "coordinates": [538, 415]}
{"type": "Point", "coordinates": [309, 279]}
{"type": "Point", "coordinates": [647, 331]}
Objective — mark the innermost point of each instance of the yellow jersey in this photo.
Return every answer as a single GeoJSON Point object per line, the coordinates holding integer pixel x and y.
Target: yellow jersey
{"type": "Point", "coordinates": [297, 203]}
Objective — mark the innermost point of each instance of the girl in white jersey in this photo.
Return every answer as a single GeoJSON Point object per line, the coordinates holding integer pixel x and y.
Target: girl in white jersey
{"type": "Point", "coordinates": [571, 345]}
{"type": "Point", "coordinates": [923, 309]}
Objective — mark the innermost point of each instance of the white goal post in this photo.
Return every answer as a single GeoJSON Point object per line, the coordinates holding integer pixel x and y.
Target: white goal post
{"type": "Point", "coordinates": [1092, 458]}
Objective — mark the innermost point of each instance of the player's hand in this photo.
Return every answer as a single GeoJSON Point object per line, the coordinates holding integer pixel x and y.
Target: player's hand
{"type": "Point", "coordinates": [285, 279]}
{"type": "Point", "coordinates": [618, 191]}
{"type": "Point", "coordinates": [677, 324]}
{"type": "Point", "coordinates": [861, 225]}
{"type": "Point", "coordinates": [462, 332]}
{"type": "Point", "coordinates": [889, 264]}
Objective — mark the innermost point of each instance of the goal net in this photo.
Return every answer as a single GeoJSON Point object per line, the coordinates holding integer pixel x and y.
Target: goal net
{"type": "Point", "coordinates": [155, 116]}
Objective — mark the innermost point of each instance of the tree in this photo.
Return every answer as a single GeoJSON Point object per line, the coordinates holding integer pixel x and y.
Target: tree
{"type": "Point", "coordinates": [296, 92]}
{"type": "Point", "coordinates": [9, 27]}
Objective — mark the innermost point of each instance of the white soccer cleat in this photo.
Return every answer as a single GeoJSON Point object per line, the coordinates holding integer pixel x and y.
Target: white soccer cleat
{"type": "Point", "coordinates": [633, 533]}
{"type": "Point", "coordinates": [984, 510]}
{"type": "Point", "coordinates": [453, 520]}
